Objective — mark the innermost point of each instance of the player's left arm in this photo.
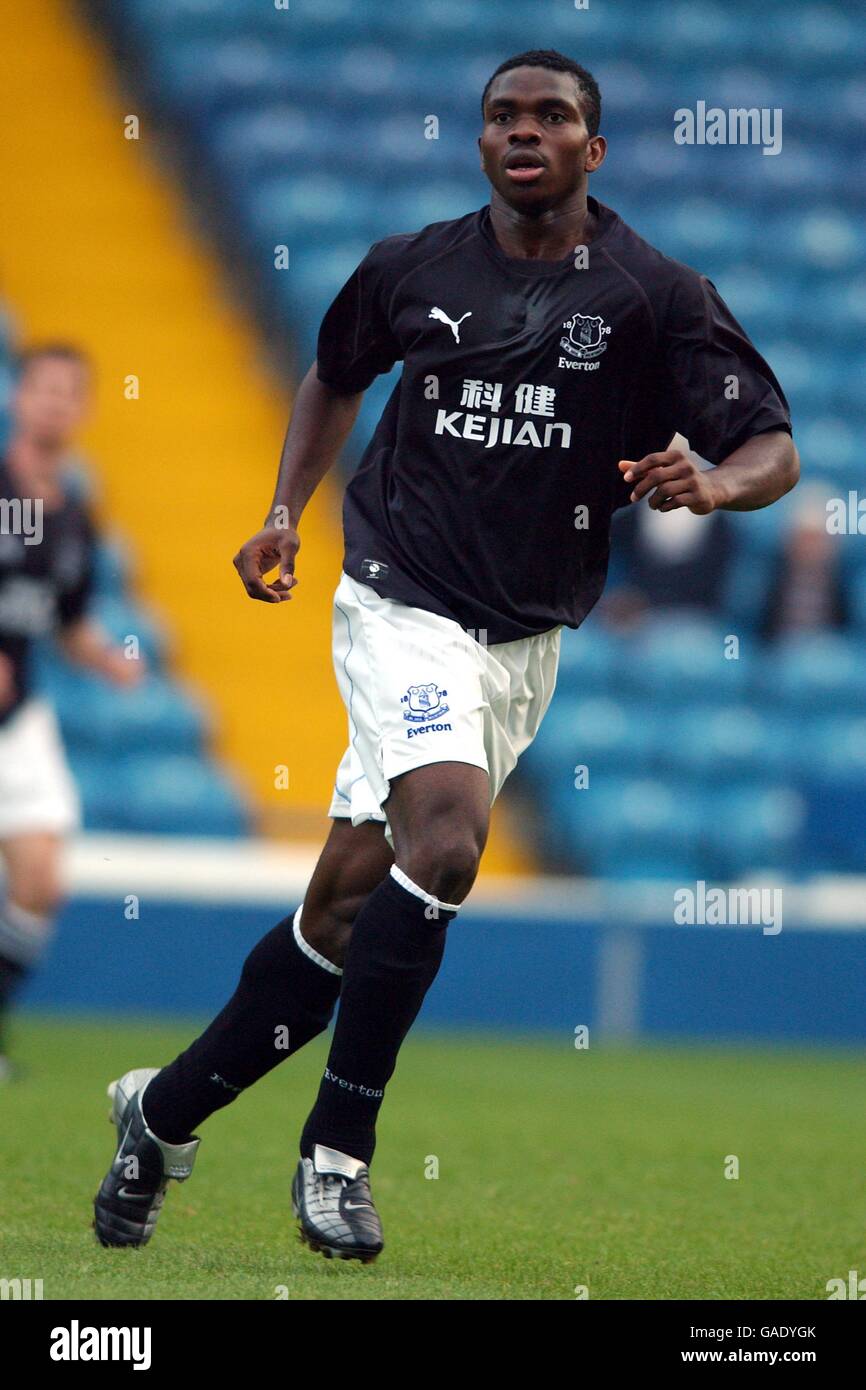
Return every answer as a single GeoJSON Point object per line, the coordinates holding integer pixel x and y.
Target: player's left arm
{"type": "Point", "coordinates": [758, 472]}
{"type": "Point", "coordinates": [85, 644]}
{"type": "Point", "coordinates": [80, 637]}
{"type": "Point", "coordinates": [723, 395]}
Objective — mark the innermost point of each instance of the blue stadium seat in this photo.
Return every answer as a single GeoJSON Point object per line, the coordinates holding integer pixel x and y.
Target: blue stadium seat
{"type": "Point", "coordinates": [166, 19]}
{"type": "Point", "coordinates": [765, 305]}
{"type": "Point", "coordinates": [204, 76]}
{"type": "Point", "coordinates": [727, 743]}
{"type": "Point", "coordinates": [288, 210]}
{"type": "Point", "coordinates": [757, 827]}
{"type": "Point", "coordinates": [180, 795]}
{"type": "Point", "coordinates": [316, 276]}
{"type": "Point", "coordinates": [833, 750]}
{"type": "Point", "coordinates": [96, 777]}
{"type": "Point", "coordinates": [697, 227]}
{"type": "Point", "coordinates": [248, 145]}
{"type": "Point", "coordinates": [434, 201]}
{"type": "Point", "coordinates": [599, 732]}
{"type": "Point", "coordinates": [841, 303]}
{"type": "Point", "coordinates": [589, 657]}
{"type": "Point", "coordinates": [816, 673]}
{"type": "Point", "coordinates": [156, 714]}
{"type": "Point", "coordinates": [829, 444]}
{"type": "Point", "coordinates": [809, 38]}
{"type": "Point", "coordinates": [628, 827]}
{"type": "Point", "coordinates": [111, 566]}
{"type": "Point", "coordinates": [171, 17]}
{"type": "Point", "coordinates": [809, 381]}
{"type": "Point", "coordinates": [678, 658]}
{"type": "Point", "coordinates": [770, 180]}
{"type": "Point", "coordinates": [829, 238]}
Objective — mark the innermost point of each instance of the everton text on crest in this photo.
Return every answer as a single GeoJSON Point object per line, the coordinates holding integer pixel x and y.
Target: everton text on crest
{"type": "Point", "coordinates": [587, 340]}
{"type": "Point", "coordinates": [425, 705]}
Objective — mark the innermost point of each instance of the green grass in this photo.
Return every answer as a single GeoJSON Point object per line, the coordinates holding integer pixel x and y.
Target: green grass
{"type": "Point", "coordinates": [557, 1168]}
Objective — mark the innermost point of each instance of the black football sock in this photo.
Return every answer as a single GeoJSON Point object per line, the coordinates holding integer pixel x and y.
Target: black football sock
{"type": "Point", "coordinates": [285, 997]}
{"type": "Point", "coordinates": [23, 938]}
{"type": "Point", "coordinates": [396, 947]}
{"type": "Point", "coordinates": [12, 974]}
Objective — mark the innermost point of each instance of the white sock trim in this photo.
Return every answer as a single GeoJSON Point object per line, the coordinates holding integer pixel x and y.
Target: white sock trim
{"type": "Point", "coordinates": [307, 948]}
{"type": "Point", "coordinates": [327, 1160]}
{"type": "Point", "coordinates": [405, 882]}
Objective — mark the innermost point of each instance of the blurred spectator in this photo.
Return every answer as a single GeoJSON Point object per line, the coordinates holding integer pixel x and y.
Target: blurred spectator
{"type": "Point", "coordinates": [806, 593]}
{"type": "Point", "coordinates": [47, 545]}
{"type": "Point", "coordinates": [668, 560]}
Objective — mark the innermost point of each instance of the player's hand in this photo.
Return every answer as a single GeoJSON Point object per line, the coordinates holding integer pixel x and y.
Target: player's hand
{"type": "Point", "coordinates": [272, 547]}
{"type": "Point", "coordinates": [7, 682]}
{"type": "Point", "coordinates": [123, 670]}
{"type": "Point", "coordinates": [673, 479]}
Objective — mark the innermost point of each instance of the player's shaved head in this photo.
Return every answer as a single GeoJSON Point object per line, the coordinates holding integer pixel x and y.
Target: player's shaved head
{"type": "Point", "coordinates": [537, 147]}
{"type": "Point", "coordinates": [588, 90]}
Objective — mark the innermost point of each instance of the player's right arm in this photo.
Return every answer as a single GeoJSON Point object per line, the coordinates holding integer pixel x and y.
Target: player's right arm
{"type": "Point", "coordinates": [356, 344]}
{"type": "Point", "coordinates": [321, 422]}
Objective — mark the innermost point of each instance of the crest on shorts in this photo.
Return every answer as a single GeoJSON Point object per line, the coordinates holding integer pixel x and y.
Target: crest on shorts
{"type": "Point", "coordinates": [587, 335]}
{"type": "Point", "coordinates": [424, 701]}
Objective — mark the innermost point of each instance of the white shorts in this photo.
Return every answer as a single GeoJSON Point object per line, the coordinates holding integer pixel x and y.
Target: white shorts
{"type": "Point", "coordinates": [36, 787]}
{"type": "Point", "coordinates": [418, 689]}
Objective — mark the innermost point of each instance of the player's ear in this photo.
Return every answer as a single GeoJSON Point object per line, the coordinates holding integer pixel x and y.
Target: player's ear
{"type": "Point", "coordinates": [480, 152]}
{"type": "Point", "coordinates": [595, 153]}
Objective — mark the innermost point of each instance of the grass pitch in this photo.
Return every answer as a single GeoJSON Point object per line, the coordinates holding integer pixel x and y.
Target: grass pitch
{"type": "Point", "coordinates": [557, 1170]}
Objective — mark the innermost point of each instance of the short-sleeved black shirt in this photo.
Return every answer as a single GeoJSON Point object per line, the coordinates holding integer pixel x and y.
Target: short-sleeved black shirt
{"type": "Point", "coordinates": [486, 491]}
{"type": "Point", "coordinates": [46, 575]}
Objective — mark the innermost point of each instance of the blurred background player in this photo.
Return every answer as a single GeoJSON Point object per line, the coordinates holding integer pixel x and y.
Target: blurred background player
{"type": "Point", "coordinates": [46, 565]}
{"type": "Point", "coordinates": [678, 561]}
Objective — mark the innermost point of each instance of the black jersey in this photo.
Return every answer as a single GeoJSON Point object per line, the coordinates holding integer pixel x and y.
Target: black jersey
{"type": "Point", "coordinates": [486, 492]}
{"type": "Point", "coordinates": [46, 573]}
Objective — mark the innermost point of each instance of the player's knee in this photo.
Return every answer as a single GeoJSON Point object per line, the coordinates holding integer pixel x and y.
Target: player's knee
{"type": "Point", "coordinates": [447, 868]}
{"type": "Point", "coordinates": [327, 930]}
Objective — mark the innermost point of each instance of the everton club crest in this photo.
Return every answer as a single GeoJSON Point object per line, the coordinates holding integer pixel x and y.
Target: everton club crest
{"type": "Point", "coordinates": [587, 336]}
{"type": "Point", "coordinates": [425, 702]}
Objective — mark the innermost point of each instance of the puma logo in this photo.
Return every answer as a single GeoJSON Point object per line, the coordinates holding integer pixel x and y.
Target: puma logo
{"type": "Point", "coordinates": [443, 318]}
